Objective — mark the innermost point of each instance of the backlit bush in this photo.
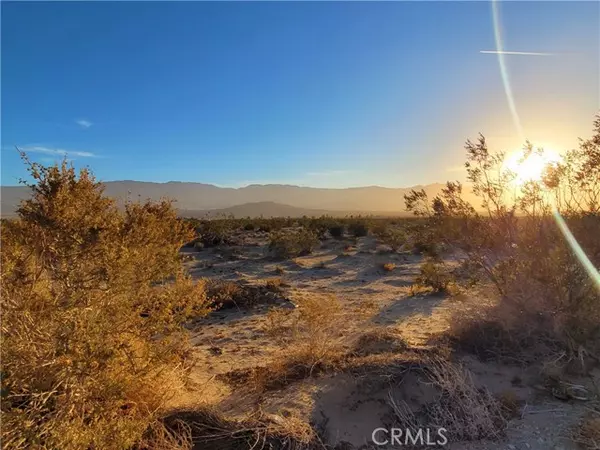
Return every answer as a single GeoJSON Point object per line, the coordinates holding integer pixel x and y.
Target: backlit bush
{"type": "Point", "coordinates": [514, 239]}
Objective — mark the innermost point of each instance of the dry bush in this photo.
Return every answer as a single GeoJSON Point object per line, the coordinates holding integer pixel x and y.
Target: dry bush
{"type": "Point", "coordinates": [587, 434]}
{"type": "Point", "coordinates": [502, 332]}
{"type": "Point", "coordinates": [466, 412]}
{"type": "Point", "coordinates": [515, 240]}
{"type": "Point", "coordinates": [93, 299]}
{"type": "Point", "coordinates": [209, 429]}
{"type": "Point", "coordinates": [312, 334]}
{"type": "Point", "coordinates": [434, 275]}
{"type": "Point", "coordinates": [393, 236]}
{"type": "Point", "coordinates": [224, 294]}
{"type": "Point", "coordinates": [379, 341]}
{"type": "Point", "coordinates": [292, 243]}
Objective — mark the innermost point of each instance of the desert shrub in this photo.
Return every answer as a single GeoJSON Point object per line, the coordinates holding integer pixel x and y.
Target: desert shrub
{"type": "Point", "coordinates": [358, 229]}
{"type": "Point", "coordinates": [434, 275]}
{"type": "Point", "coordinates": [395, 237]}
{"type": "Point", "coordinates": [249, 227]}
{"type": "Point", "coordinates": [93, 299]}
{"type": "Point", "coordinates": [524, 240]}
{"type": "Point", "coordinates": [464, 410]}
{"type": "Point", "coordinates": [215, 232]}
{"type": "Point", "coordinates": [291, 243]}
{"type": "Point", "coordinates": [336, 231]}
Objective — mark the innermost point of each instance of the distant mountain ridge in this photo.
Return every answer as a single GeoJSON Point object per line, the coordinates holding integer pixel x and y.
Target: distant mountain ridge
{"type": "Point", "coordinates": [253, 200]}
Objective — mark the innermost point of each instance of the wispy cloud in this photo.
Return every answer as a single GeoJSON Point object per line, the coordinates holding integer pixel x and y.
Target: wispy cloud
{"type": "Point", "coordinates": [83, 123]}
{"type": "Point", "coordinates": [504, 52]}
{"type": "Point", "coordinates": [57, 151]}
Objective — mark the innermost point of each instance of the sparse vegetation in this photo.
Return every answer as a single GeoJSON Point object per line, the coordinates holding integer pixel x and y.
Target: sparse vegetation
{"type": "Point", "coordinates": [97, 312]}
{"type": "Point", "coordinates": [544, 291]}
{"type": "Point", "coordinates": [292, 243]}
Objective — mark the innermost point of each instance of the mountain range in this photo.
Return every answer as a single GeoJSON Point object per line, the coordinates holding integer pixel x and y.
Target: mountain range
{"type": "Point", "coordinates": [198, 199]}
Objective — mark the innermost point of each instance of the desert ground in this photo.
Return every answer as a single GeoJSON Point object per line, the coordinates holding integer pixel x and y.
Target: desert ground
{"type": "Point", "coordinates": [384, 329]}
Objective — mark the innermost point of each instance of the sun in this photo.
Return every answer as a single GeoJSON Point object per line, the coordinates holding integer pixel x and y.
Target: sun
{"type": "Point", "coordinates": [531, 167]}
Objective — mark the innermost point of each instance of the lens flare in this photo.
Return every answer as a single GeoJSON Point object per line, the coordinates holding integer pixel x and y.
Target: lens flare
{"type": "Point", "coordinates": [503, 71]}
{"type": "Point", "coordinates": [530, 170]}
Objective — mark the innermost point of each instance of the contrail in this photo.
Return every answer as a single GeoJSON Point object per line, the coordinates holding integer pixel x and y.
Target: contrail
{"type": "Point", "coordinates": [504, 52]}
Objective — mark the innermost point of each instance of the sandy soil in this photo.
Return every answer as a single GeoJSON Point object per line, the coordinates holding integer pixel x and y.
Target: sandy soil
{"type": "Point", "coordinates": [347, 407]}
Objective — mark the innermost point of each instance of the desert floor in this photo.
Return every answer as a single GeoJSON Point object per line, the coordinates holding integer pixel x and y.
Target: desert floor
{"type": "Point", "coordinates": [348, 405]}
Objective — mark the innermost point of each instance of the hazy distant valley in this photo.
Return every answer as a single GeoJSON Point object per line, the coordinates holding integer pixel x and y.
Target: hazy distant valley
{"type": "Point", "coordinates": [198, 199]}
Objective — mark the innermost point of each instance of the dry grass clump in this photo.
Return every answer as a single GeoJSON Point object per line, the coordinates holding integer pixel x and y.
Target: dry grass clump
{"type": "Point", "coordinates": [208, 429]}
{"type": "Point", "coordinates": [379, 341]}
{"type": "Point", "coordinates": [93, 299]}
{"type": "Point", "coordinates": [224, 294]}
{"type": "Point", "coordinates": [465, 411]}
{"type": "Point", "coordinates": [502, 332]}
{"type": "Point", "coordinates": [292, 243]}
{"type": "Point", "coordinates": [388, 267]}
{"type": "Point", "coordinates": [312, 334]}
{"type": "Point", "coordinates": [587, 434]}
{"type": "Point", "coordinates": [434, 275]}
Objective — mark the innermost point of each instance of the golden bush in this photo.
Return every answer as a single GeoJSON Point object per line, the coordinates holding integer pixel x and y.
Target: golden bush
{"type": "Point", "coordinates": [93, 298]}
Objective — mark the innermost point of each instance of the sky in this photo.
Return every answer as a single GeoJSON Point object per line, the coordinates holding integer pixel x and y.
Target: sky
{"type": "Point", "coordinates": [324, 94]}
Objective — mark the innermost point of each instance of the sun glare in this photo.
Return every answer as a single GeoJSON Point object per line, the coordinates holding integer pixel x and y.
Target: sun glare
{"type": "Point", "coordinates": [531, 167]}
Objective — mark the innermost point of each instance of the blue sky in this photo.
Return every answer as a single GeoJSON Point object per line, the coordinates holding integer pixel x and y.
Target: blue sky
{"type": "Point", "coordinates": [312, 93]}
